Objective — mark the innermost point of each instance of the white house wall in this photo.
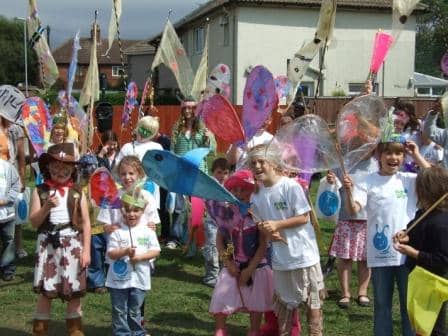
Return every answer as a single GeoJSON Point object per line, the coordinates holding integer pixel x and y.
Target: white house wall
{"type": "Point", "coordinates": [270, 36]}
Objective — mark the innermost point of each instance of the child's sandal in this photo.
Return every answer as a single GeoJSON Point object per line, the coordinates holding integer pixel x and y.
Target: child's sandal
{"type": "Point", "coordinates": [363, 301]}
{"type": "Point", "coordinates": [344, 302]}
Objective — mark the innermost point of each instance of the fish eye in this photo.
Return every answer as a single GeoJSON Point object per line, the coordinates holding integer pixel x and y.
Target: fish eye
{"type": "Point", "coordinates": [158, 157]}
{"type": "Point", "coordinates": [213, 77]}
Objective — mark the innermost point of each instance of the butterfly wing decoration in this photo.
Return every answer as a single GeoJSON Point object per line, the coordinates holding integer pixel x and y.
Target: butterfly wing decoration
{"type": "Point", "coordinates": [103, 190]}
{"type": "Point", "coordinates": [37, 122]}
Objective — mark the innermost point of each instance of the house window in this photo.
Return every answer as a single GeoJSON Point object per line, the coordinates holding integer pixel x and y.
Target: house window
{"type": "Point", "coordinates": [355, 89]}
{"type": "Point", "coordinates": [198, 39]}
{"type": "Point", "coordinates": [184, 41]}
{"type": "Point", "coordinates": [307, 88]}
{"type": "Point", "coordinates": [438, 91]}
{"type": "Point", "coordinates": [225, 28]}
{"type": "Point", "coordinates": [117, 70]}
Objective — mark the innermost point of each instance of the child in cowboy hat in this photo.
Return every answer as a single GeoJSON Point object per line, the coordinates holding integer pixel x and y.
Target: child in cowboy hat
{"type": "Point", "coordinates": [59, 212]}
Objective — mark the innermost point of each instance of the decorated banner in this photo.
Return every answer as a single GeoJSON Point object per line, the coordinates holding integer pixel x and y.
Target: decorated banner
{"type": "Point", "coordinates": [11, 101]}
{"type": "Point", "coordinates": [401, 10]}
{"type": "Point", "coordinates": [383, 42]}
{"type": "Point", "coordinates": [325, 24]}
{"type": "Point", "coordinates": [73, 64]}
{"type": "Point", "coordinates": [282, 87]}
{"type": "Point", "coordinates": [37, 122]}
{"type": "Point", "coordinates": [358, 128]}
{"type": "Point", "coordinates": [259, 100]}
{"type": "Point", "coordinates": [103, 190]}
{"type": "Point", "coordinates": [129, 103]}
{"type": "Point", "coordinates": [113, 23]}
{"type": "Point", "coordinates": [172, 54]}
{"type": "Point", "coordinates": [221, 118]}
{"type": "Point", "coordinates": [218, 81]}
{"type": "Point", "coordinates": [37, 40]}
{"type": "Point", "coordinates": [91, 88]}
{"type": "Point", "coordinates": [306, 145]}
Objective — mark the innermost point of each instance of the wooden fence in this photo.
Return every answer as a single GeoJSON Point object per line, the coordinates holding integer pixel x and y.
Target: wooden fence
{"type": "Point", "coordinates": [327, 108]}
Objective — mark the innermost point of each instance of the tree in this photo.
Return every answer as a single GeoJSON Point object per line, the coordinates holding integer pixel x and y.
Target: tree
{"type": "Point", "coordinates": [432, 37]}
{"type": "Point", "coordinates": [12, 68]}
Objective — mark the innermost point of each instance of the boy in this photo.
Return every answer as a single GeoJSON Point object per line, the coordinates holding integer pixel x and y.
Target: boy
{"type": "Point", "coordinates": [220, 171]}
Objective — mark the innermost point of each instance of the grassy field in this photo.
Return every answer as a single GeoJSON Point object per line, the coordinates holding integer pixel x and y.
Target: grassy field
{"type": "Point", "coordinates": [177, 304]}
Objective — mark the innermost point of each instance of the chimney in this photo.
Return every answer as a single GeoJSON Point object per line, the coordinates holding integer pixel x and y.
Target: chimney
{"type": "Point", "coordinates": [98, 33]}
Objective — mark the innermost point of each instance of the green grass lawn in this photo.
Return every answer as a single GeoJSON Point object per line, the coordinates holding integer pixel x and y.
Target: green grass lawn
{"type": "Point", "coordinates": [176, 305]}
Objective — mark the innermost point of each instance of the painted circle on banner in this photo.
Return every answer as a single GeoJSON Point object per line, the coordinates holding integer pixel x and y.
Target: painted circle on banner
{"type": "Point", "coordinates": [328, 203]}
{"type": "Point", "coordinates": [444, 64]}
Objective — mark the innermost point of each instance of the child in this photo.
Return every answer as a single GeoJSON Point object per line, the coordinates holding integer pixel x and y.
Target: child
{"type": "Point", "coordinates": [349, 240]}
{"type": "Point", "coordinates": [436, 134]}
{"type": "Point", "coordinates": [220, 171]}
{"type": "Point", "coordinates": [96, 275]}
{"type": "Point", "coordinates": [245, 282]}
{"type": "Point", "coordinates": [9, 190]}
{"type": "Point", "coordinates": [129, 276]}
{"type": "Point", "coordinates": [426, 244]}
{"type": "Point", "coordinates": [282, 207]}
{"type": "Point", "coordinates": [131, 173]}
{"type": "Point", "coordinates": [59, 211]}
{"type": "Point", "coordinates": [389, 199]}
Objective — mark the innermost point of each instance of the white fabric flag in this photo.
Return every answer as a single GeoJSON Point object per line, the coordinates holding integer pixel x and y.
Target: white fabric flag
{"type": "Point", "coordinates": [91, 88]}
{"type": "Point", "coordinates": [200, 80]}
{"type": "Point", "coordinates": [172, 54]}
{"type": "Point", "coordinates": [113, 23]}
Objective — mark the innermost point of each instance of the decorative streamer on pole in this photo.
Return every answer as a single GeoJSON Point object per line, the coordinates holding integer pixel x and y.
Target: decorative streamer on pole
{"type": "Point", "coordinates": [113, 23]}
{"type": "Point", "coordinates": [72, 69]}
{"type": "Point", "coordinates": [382, 44]}
{"type": "Point", "coordinates": [200, 79]}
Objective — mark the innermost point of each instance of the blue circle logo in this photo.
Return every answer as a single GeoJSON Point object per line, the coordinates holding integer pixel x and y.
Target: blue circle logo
{"type": "Point", "coordinates": [328, 203]}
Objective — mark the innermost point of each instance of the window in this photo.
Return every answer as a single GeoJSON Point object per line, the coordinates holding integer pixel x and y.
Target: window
{"type": "Point", "coordinates": [225, 29]}
{"type": "Point", "coordinates": [423, 91]}
{"type": "Point", "coordinates": [198, 39]}
{"type": "Point", "coordinates": [117, 70]}
{"type": "Point", "coordinates": [307, 88]}
{"type": "Point", "coordinates": [438, 91]}
{"type": "Point", "coordinates": [355, 89]}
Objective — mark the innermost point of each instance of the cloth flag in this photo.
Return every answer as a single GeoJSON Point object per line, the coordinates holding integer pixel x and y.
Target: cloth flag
{"type": "Point", "coordinates": [200, 79]}
{"type": "Point", "coordinates": [426, 294]}
{"type": "Point", "coordinates": [91, 88]}
{"type": "Point", "coordinates": [73, 64]}
{"type": "Point", "coordinates": [401, 10]}
{"type": "Point", "coordinates": [113, 22]}
{"type": "Point", "coordinates": [129, 103]}
{"type": "Point", "coordinates": [48, 68]}
{"type": "Point", "coordinates": [173, 55]}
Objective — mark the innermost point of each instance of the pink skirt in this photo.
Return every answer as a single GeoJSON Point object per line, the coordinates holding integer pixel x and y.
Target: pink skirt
{"type": "Point", "coordinates": [349, 240]}
{"type": "Point", "coordinates": [226, 298]}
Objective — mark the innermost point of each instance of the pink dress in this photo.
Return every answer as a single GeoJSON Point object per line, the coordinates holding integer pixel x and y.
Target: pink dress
{"type": "Point", "coordinates": [228, 297]}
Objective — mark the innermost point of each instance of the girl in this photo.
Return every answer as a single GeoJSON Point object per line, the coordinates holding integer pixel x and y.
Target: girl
{"type": "Point", "coordinates": [129, 277]}
{"type": "Point", "coordinates": [245, 282]}
{"type": "Point", "coordinates": [389, 199]}
{"type": "Point", "coordinates": [283, 208]}
{"type": "Point", "coordinates": [108, 153]}
{"type": "Point", "coordinates": [59, 212]}
{"type": "Point", "coordinates": [190, 133]}
{"type": "Point", "coordinates": [426, 244]}
{"type": "Point", "coordinates": [349, 240]}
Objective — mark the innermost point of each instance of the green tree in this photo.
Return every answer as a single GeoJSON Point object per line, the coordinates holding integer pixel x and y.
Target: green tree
{"type": "Point", "coordinates": [12, 68]}
{"type": "Point", "coordinates": [432, 37]}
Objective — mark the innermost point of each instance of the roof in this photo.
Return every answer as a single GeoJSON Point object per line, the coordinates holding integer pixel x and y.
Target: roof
{"type": "Point", "coordinates": [427, 80]}
{"type": "Point", "coordinates": [63, 53]}
{"type": "Point", "coordinates": [140, 48]}
{"type": "Point", "coordinates": [212, 5]}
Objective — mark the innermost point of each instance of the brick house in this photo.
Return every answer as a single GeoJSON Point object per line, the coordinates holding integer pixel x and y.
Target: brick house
{"type": "Point", "coordinates": [109, 65]}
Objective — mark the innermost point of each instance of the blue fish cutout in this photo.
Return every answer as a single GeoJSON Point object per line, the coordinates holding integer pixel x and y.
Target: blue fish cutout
{"type": "Point", "coordinates": [180, 175]}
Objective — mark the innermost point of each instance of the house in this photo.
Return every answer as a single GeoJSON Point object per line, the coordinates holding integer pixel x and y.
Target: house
{"type": "Point", "coordinates": [109, 65]}
{"type": "Point", "coordinates": [245, 33]}
{"type": "Point", "coordinates": [428, 86]}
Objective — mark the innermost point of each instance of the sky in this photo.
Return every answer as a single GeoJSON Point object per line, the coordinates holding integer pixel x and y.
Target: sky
{"type": "Point", "coordinates": [140, 19]}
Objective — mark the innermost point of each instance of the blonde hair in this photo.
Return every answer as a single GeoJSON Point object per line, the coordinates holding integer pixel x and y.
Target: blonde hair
{"type": "Point", "coordinates": [134, 162]}
{"type": "Point", "coordinates": [432, 184]}
{"type": "Point", "coordinates": [148, 127]}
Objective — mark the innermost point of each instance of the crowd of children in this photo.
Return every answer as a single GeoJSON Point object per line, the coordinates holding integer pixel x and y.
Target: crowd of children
{"type": "Point", "coordinates": [261, 256]}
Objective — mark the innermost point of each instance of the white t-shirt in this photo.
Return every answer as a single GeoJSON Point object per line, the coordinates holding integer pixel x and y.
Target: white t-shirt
{"type": "Point", "coordinates": [260, 138]}
{"type": "Point", "coordinates": [390, 202]}
{"type": "Point", "coordinates": [284, 200]}
{"type": "Point", "coordinates": [432, 153]}
{"type": "Point", "coordinates": [139, 149]}
{"type": "Point", "coordinates": [114, 216]}
{"type": "Point", "coordinates": [121, 273]}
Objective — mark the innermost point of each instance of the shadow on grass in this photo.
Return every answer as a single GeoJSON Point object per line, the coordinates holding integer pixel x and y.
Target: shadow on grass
{"type": "Point", "coordinates": [165, 323]}
{"type": "Point", "coordinates": [176, 272]}
{"type": "Point", "coordinates": [57, 328]}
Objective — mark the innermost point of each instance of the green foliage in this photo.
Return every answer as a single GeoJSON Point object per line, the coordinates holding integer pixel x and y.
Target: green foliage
{"type": "Point", "coordinates": [432, 37]}
{"type": "Point", "coordinates": [338, 91]}
{"type": "Point", "coordinates": [12, 69]}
